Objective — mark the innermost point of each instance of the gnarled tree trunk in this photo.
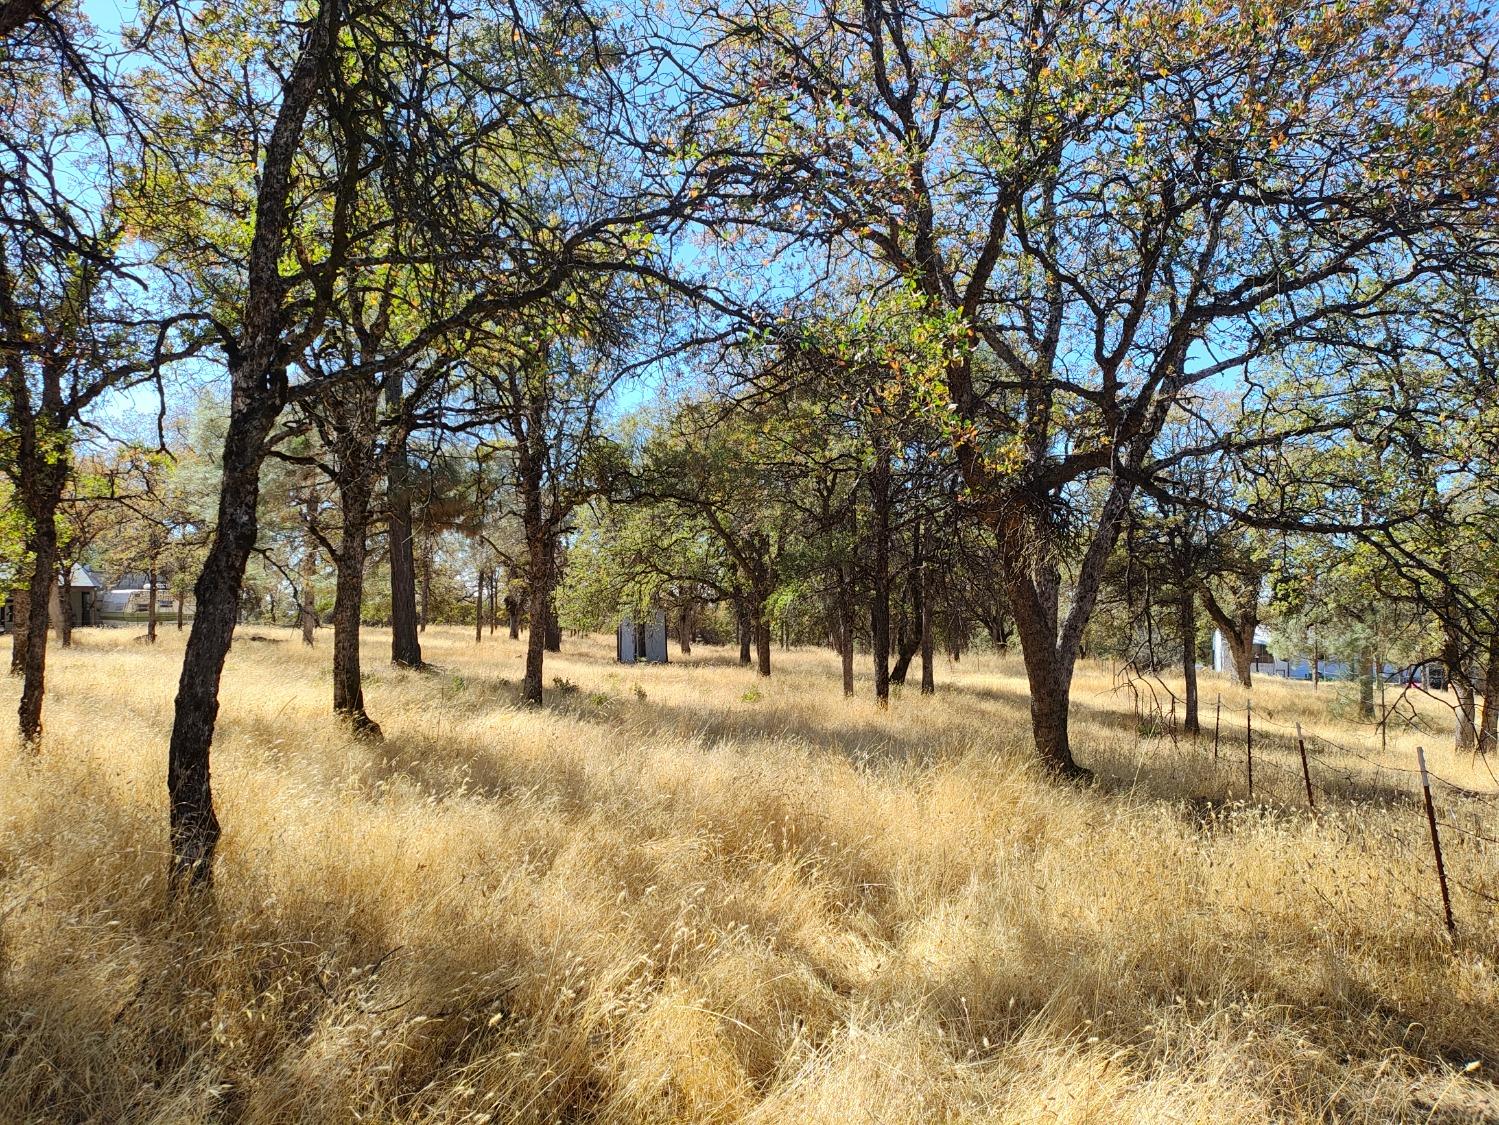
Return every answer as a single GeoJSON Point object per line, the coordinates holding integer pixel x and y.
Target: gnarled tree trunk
{"type": "Point", "coordinates": [1187, 610]}
{"type": "Point", "coordinates": [194, 826]}
{"type": "Point", "coordinates": [1237, 629]}
{"type": "Point", "coordinates": [40, 502]}
{"type": "Point", "coordinates": [355, 491]}
{"type": "Point", "coordinates": [405, 643]}
{"type": "Point", "coordinates": [258, 384]}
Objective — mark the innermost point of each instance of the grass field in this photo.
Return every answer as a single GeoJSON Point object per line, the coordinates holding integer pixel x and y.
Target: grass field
{"type": "Point", "coordinates": [679, 894]}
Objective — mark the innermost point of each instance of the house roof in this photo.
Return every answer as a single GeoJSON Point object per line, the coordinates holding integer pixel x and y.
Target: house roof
{"type": "Point", "coordinates": [82, 578]}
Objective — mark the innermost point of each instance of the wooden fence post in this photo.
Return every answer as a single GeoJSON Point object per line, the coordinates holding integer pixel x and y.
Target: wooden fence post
{"type": "Point", "coordinates": [1249, 743]}
{"type": "Point", "coordinates": [1306, 772]}
{"type": "Point", "coordinates": [1436, 841]}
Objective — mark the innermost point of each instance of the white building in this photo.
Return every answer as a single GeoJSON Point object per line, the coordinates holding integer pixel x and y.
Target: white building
{"type": "Point", "coordinates": [84, 591]}
{"type": "Point", "coordinates": [1264, 663]}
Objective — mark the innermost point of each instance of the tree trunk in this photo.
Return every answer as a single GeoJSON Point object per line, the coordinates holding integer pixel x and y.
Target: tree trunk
{"type": "Point", "coordinates": [879, 613]}
{"type": "Point", "coordinates": [405, 643]}
{"type": "Point", "coordinates": [1366, 687]}
{"type": "Point", "coordinates": [553, 622]}
{"type": "Point", "coordinates": [426, 584]}
{"type": "Point", "coordinates": [742, 624]}
{"type": "Point", "coordinates": [1467, 707]}
{"type": "Point", "coordinates": [762, 643]}
{"type": "Point", "coordinates": [64, 620]}
{"type": "Point", "coordinates": [928, 673]}
{"type": "Point", "coordinates": [54, 608]}
{"type": "Point", "coordinates": [20, 598]}
{"type": "Point", "coordinates": [684, 629]}
{"type": "Point", "coordinates": [1034, 603]}
{"type": "Point", "coordinates": [494, 594]}
{"type": "Point", "coordinates": [1488, 727]}
{"type": "Point", "coordinates": [43, 477]}
{"type": "Point", "coordinates": [151, 605]}
{"type": "Point", "coordinates": [194, 827]}
{"type": "Point", "coordinates": [479, 610]}
{"type": "Point", "coordinates": [41, 510]}
{"type": "Point", "coordinates": [512, 608]}
{"type": "Point", "coordinates": [1454, 657]}
{"type": "Point", "coordinates": [846, 638]}
{"type": "Point", "coordinates": [348, 596]}
{"type": "Point", "coordinates": [1050, 645]}
{"type": "Point", "coordinates": [1188, 611]}
{"type": "Point", "coordinates": [256, 397]}
{"type": "Point", "coordinates": [1237, 632]}
{"type": "Point", "coordinates": [536, 633]}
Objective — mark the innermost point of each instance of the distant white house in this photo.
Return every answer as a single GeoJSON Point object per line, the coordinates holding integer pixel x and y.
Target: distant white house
{"type": "Point", "coordinates": [1264, 663]}
{"type": "Point", "coordinates": [84, 592]}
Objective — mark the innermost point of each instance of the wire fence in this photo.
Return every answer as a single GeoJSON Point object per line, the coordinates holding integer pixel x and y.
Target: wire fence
{"type": "Point", "coordinates": [1283, 764]}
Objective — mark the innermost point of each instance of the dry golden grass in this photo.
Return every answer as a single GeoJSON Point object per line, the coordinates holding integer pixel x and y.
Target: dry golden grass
{"type": "Point", "coordinates": [693, 903]}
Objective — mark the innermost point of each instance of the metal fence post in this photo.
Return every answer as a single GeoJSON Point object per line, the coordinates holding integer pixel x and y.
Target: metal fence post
{"type": "Point", "coordinates": [1436, 841]}
{"type": "Point", "coordinates": [1249, 743]}
{"type": "Point", "coordinates": [1217, 718]}
{"type": "Point", "coordinates": [1306, 772]}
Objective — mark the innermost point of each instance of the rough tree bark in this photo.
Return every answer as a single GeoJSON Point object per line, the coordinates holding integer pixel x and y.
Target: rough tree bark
{"type": "Point", "coordinates": [355, 482]}
{"type": "Point", "coordinates": [405, 643]}
{"type": "Point", "coordinates": [307, 595]}
{"type": "Point", "coordinates": [1454, 657]}
{"type": "Point", "coordinates": [194, 826]}
{"type": "Point", "coordinates": [928, 672]}
{"type": "Point", "coordinates": [1366, 686]}
{"type": "Point", "coordinates": [537, 551]}
{"type": "Point", "coordinates": [258, 391]}
{"type": "Point", "coordinates": [846, 632]}
{"type": "Point", "coordinates": [1237, 629]}
{"type": "Point", "coordinates": [1488, 727]}
{"type": "Point", "coordinates": [1049, 645]}
{"type": "Point", "coordinates": [908, 635]}
{"type": "Point", "coordinates": [1187, 610]}
{"type": "Point", "coordinates": [742, 621]}
{"type": "Point", "coordinates": [879, 613]}
{"type": "Point", "coordinates": [348, 688]}
{"type": "Point", "coordinates": [553, 633]}
{"type": "Point", "coordinates": [40, 503]}
{"type": "Point", "coordinates": [21, 611]}
{"type": "Point", "coordinates": [41, 460]}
